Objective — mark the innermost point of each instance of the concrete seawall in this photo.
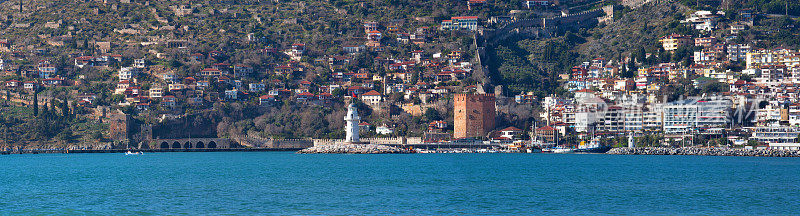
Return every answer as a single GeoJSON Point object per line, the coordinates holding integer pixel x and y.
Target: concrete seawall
{"type": "Point", "coordinates": [704, 152]}
{"type": "Point", "coordinates": [374, 141]}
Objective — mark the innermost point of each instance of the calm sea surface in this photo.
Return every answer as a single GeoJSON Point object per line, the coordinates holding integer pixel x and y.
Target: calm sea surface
{"type": "Point", "coordinates": [422, 184]}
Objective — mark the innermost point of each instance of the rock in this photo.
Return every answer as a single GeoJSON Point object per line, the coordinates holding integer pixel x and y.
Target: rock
{"type": "Point", "coordinates": [704, 151]}
{"type": "Point", "coordinates": [354, 149]}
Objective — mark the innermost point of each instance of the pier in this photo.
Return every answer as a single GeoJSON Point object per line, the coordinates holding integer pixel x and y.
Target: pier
{"type": "Point", "coordinates": [446, 146]}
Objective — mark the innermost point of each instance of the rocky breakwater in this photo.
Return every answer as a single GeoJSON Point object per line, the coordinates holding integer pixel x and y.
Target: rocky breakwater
{"type": "Point", "coordinates": [705, 151]}
{"type": "Point", "coordinates": [354, 149]}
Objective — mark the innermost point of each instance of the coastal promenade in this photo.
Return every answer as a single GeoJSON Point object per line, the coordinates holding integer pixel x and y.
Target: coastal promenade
{"type": "Point", "coordinates": [704, 151]}
{"type": "Point", "coordinates": [46, 151]}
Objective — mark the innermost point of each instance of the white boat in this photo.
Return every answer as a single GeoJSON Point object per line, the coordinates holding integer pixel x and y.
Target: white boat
{"type": "Point", "coordinates": [133, 153]}
{"type": "Point", "coordinates": [534, 150]}
{"type": "Point", "coordinates": [425, 151]}
{"type": "Point", "coordinates": [563, 150]}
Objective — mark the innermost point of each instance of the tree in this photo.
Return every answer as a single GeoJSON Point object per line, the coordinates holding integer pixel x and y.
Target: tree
{"type": "Point", "coordinates": [641, 55]}
{"type": "Point", "coordinates": [432, 114]}
{"type": "Point", "coordinates": [35, 103]}
{"type": "Point", "coordinates": [629, 72]}
{"type": "Point", "coordinates": [65, 135]}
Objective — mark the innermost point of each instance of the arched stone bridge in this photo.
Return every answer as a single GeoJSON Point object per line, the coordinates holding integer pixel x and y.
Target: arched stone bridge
{"type": "Point", "coordinates": [193, 143]}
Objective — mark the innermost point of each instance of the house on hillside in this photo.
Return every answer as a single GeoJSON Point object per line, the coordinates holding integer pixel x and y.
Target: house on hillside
{"type": "Point", "coordinates": [460, 23]}
{"type": "Point", "coordinates": [372, 98]}
{"type": "Point", "coordinates": [13, 84]}
{"type": "Point", "coordinates": [46, 69]}
{"type": "Point", "coordinates": [510, 132]}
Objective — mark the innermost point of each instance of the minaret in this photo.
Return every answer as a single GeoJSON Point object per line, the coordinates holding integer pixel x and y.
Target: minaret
{"type": "Point", "coordinates": [351, 125]}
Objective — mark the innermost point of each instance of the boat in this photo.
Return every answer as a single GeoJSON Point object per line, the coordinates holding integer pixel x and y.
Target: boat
{"type": "Point", "coordinates": [592, 147]}
{"type": "Point", "coordinates": [598, 149]}
{"type": "Point", "coordinates": [533, 150]}
{"type": "Point", "coordinates": [425, 151]}
{"type": "Point", "coordinates": [562, 150]}
{"type": "Point", "coordinates": [133, 153]}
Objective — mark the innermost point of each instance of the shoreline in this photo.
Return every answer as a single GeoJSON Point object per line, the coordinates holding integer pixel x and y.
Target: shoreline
{"type": "Point", "coordinates": [738, 152]}
{"type": "Point", "coordinates": [354, 148]}
{"type": "Point", "coordinates": [359, 149]}
{"type": "Point", "coordinates": [90, 151]}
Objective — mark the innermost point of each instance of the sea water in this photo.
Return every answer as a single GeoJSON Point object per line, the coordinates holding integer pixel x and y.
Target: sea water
{"type": "Point", "coordinates": [262, 183]}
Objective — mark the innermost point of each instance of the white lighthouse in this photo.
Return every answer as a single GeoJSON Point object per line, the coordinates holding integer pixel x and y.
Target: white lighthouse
{"type": "Point", "coordinates": [351, 125]}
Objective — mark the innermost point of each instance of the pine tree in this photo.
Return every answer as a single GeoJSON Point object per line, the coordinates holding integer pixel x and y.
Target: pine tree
{"type": "Point", "coordinates": [35, 102]}
{"type": "Point", "coordinates": [641, 55]}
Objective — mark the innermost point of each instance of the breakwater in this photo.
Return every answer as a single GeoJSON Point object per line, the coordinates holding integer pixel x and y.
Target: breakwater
{"type": "Point", "coordinates": [704, 151]}
{"type": "Point", "coordinates": [354, 149]}
{"type": "Point", "coordinates": [66, 151]}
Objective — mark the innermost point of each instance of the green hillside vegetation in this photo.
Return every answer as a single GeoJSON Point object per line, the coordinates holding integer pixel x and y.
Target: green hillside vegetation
{"type": "Point", "coordinates": [60, 30]}
{"type": "Point", "coordinates": [525, 64]}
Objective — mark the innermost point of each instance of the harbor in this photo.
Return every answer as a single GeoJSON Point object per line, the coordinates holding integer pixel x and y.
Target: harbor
{"type": "Point", "coordinates": [353, 144]}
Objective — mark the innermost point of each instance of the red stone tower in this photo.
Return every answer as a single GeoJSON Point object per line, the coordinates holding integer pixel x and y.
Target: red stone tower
{"type": "Point", "coordinates": [474, 115]}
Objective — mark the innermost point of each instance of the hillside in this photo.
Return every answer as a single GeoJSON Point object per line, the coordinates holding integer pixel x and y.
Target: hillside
{"type": "Point", "coordinates": [286, 69]}
{"type": "Point", "coordinates": [251, 33]}
{"type": "Point", "coordinates": [635, 28]}
{"type": "Point", "coordinates": [531, 64]}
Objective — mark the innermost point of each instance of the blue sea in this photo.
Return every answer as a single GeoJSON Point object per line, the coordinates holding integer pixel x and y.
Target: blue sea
{"type": "Point", "coordinates": [284, 183]}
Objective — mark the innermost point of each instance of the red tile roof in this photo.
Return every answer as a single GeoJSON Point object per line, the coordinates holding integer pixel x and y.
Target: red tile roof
{"type": "Point", "coordinates": [547, 128]}
{"type": "Point", "coordinates": [372, 93]}
{"type": "Point", "coordinates": [512, 128]}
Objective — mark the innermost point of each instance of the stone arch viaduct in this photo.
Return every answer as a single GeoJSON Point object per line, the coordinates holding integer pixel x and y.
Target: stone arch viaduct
{"type": "Point", "coordinates": [193, 143]}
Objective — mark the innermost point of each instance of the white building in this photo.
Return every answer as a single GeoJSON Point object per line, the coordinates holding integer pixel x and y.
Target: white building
{"type": "Point", "coordinates": [700, 115]}
{"type": "Point", "coordinates": [256, 87]}
{"type": "Point", "coordinates": [584, 121]}
{"type": "Point", "coordinates": [351, 124]}
{"type": "Point", "coordinates": [46, 70]}
{"type": "Point", "coordinates": [652, 117]}
{"type": "Point", "coordinates": [612, 121]}
{"type": "Point", "coordinates": [232, 94]}
{"type": "Point", "coordinates": [372, 98]}
{"type": "Point", "coordinates": [704, 56]}
{"type": "Point", "coordinates": [127, 73]}
{"type": "Point", "coordinates": [461, 23]}
{"type": "Point", "coordinates": [704, 20]}
{"type": "Point", "coordinates": [156, 92]}
{"type": "Point", "coordinates": [169, 77]}
{"type": "Point", "coordinates": [780, 137]}
{"type": "Point", "coordinates": [384, 130]}
{"type": "Point", "coordinates": [738, 52]}
{"type": "Point", "coordinates": [634, 120]}
{"type": "Point", "coordinates": [139, 63]}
